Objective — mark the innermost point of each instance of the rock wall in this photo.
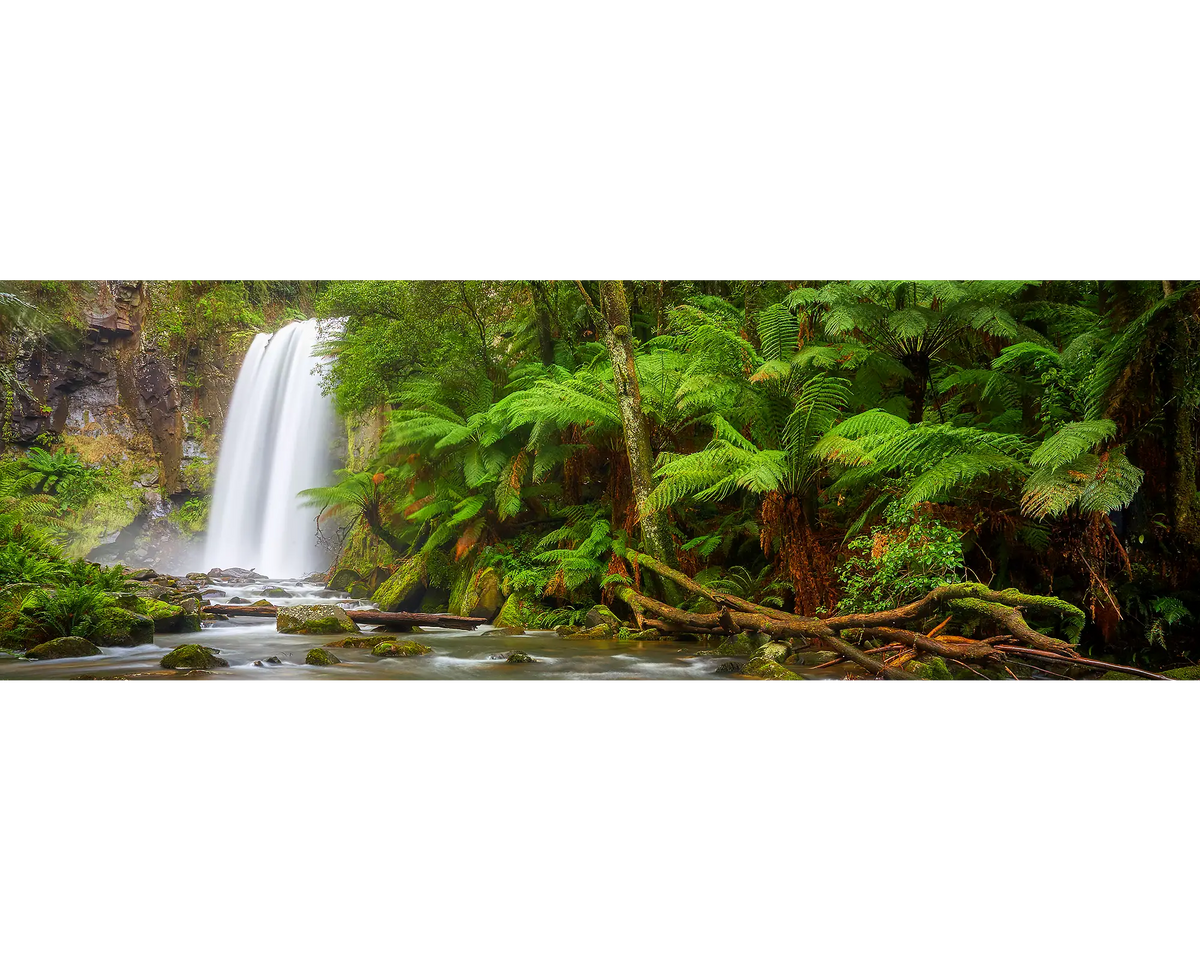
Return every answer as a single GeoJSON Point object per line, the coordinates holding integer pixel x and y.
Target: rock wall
{"type": "Point", "coordinates": [121, 400]}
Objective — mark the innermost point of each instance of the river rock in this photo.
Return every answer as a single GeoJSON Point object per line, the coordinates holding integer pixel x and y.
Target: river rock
{"type": "Point", "coordinates": [741, 645]}
{"type": "Point", "coordinates": [64, 647]}
{"type": "Point", "coordinates": [764, 669]}
{"type": "Point", "coordinates": [169, 617]}
{"type": "Point", "coordinates": [514, 656]}
{"type": "Point", "coordinates": [123, 628]}
{"type": "Point", "coordinates": [277, 592]}
{"type": "Point", "coordinates": [401, 648]}
{"type": "Point", "coordinates": [483, 596]}
{"type": "Point", "coordinates": [316, 657]}
{"type": "Point", "coordinates": [360, 642]}
{"type": "Point", "coordinates": [193, 656]}
{"type": "Point", "coordinates": [314, 618]}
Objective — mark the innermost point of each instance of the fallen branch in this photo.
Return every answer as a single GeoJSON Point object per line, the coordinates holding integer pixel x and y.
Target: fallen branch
{"type": "Point", "coordinates": [1078, 661]}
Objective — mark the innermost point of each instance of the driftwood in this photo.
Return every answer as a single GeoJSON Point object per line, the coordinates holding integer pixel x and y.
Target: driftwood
{"type": "Point", "coordinates": [362, 616]}
{"type": "Point", "coordinates": [898, 629]}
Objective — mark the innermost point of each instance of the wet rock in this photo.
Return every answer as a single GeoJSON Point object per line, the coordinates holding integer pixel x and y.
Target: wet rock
{"type": "Point", "coordinates": [728, 666]}
{"type": "Point", "coordinates": [518, 613]}
{"type": "Point", "coordinates": [64, 647]}
{"type": "Point", "coordinates": [360, 591]}
{"type": "Point", "coordinates": [401, 648]}
{"type": "Point", "coordinates": [193, 656]}
{"type": "Point", "coordinates": [815, 658]}
{"type": "Point", "coordinates": [237, 601]}
{"type": "Point", "coordinates": [314, 618]}
{"type": "Point", "coordinates": [483, 596]}
{"type": "Point", "coordinates": [776, 652]}
{"type": "Point", "coordinates": [145, 573]}
{"type": "Point", "coordinates": [277, 592]}
{"type": "Point", "coordinates": [741, 645]}
{"type": "Point", "coordinates": [514, 656]}
{"type": "Point", "coordinates": [168, 617]}
{"type": "Point", "coordinates": [318, 657]}
{"type": "Point", "coordinates": [262, 603]}
{"type": "Point", "coordinates": [154, 591]}
{"type": "Point", "coordinates": [266, 660]}
{"type": "Point", "coordinates": [362, 643]}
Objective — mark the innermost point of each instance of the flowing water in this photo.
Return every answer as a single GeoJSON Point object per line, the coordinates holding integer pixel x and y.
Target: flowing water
{"type": "Point", "coordinates": [458, 654]}
{"type": "Point", "coordinates": [276, 443]}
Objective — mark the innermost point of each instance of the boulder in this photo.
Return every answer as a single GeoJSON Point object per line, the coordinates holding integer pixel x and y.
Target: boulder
{"type": "Point", "coordinates": [515, 656]}
{"type": "Point", "coordinates": [168, 617]}
{"type": "Point", "coordinates": [359, 642]}
{"type": "Point", "coordinates": [342, 579]}
{"type": "Point", "coordinates": [764, 669]}
{"type": "Point", "coordinates": [263, 663]}
{"type": "Point", "coordinates": [145, 573]}
{"type": "Point", "coordinates": [122, 628]}
{"type": "Point", "coordinates": [193, 656]}
{"type": "Point", "coordinates": [776, 652]}
{"type": "Point", "coordinates": [262, 603]}
{"type": "Point", "coordinates": [741, 645]}
{"type": "Point", "coordinates": [404, 589]}
{"type": "Point", "coordinates": [316, 657]}
{"type": "Point", "coordinates": [277, 592]}
{"type": "Point", "coordinates": [518, 613]}
{"type": "Point", "coordinates": [64, 647]}
{"type": "Point", "coordinates": [314, 618]}
{"type": "Point", "coordinates": [483, 596]}
{"type": "Point", "coordinates": [600, 615]}
{"type": "Point", "coordinates": [152, 590]}
{"type": "Point", "coordinates": [401, 648]}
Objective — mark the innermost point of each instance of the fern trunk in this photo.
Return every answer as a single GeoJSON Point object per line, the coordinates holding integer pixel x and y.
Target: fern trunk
{"type": "Point", "coordinates": [618, 338]}
{"type": "Point", "coordinates": [1183, 447]}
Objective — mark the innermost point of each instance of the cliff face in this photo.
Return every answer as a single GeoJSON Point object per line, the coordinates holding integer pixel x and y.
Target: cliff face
{"type": "Point", "coordinates": [123, 402]}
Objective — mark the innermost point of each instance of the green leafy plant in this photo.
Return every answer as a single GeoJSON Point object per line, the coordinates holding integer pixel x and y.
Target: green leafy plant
{"type": "Point", "coordinates": [69, 611]}
{"type": "Point", "coordinates": [900, 561]}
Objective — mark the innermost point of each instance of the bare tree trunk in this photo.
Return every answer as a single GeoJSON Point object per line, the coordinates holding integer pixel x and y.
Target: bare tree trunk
{"type": "Point", "coordinates": [541, 303]}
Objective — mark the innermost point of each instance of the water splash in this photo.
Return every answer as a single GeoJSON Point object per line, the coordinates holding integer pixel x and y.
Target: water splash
{"type": "Point", "coordinates": [276, 442]}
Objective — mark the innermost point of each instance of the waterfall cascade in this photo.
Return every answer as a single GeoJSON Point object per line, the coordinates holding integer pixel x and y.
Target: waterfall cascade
{"type": "Point", "coordinates": [276, 442]}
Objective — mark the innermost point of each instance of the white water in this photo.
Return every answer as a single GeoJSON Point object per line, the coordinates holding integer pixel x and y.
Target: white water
{"type": "Point", "coordinates": [276, 443]}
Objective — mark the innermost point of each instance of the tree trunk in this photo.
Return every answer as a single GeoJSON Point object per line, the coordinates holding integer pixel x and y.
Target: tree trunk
{"type": "Point", "coordinates": [614, 328]}
{"type": "Point", "coordinates": [1183, 448]}
{"type": "Point", "coordinates": [541, 303]}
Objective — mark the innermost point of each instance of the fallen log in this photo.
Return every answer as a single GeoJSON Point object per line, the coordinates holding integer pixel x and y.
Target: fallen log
{"type": "Point", "coordinates": [1080, 662]}
{"type": "Point", "coordinates": [375, 617]}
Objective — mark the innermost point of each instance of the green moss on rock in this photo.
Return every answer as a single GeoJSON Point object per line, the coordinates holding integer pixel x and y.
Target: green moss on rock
{"type": "Point", "coordinates": [482, 595]}
{"type": "Point", "coordinates": [600, 614]}
{"type": "Point", "coordinates": [404, 589]}
{"type": "Point", "coordinates": [764, 669]}
{"type": "Point", "coordinates": [401, 648]}
{"type": "Point", "coordinates": [514, 656]}
{"type": "Point", "coordinates": [930, 668]}
{"type": "Point", "coordinates": [1183, 673]}
{"type": "Point", "coordinates": [518, 613]}
{"type": "Point", "coordinates": [741, 645]}
{"type": "Point", "coordinates": [116, 627]}
{"type": "Point", "coordinates": [167, 617]}
{"type": "Point", "coordinates": [359, 642]}
{"type": "Point", "coordinates": [317, 657]}
{"type": "Point", "coordinates": [63, 647]}
{"type": "Point", "coordinates": [193, 656]}
{"type": "Point", "coordinates": [314, 618]}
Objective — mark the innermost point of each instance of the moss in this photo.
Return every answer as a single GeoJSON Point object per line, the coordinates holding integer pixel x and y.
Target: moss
{"type": "Point", "coordinates": [167, 617]}
{"type": "Point", "coordinates": [193, 656]}
{"type": "Point", "coordinates": [358, 642]}
{"type": "Point", "coordinates": [316, 657]}
{"type": "Point", "coordinates": [600, 614]}
{"type": "Point", "coordinates": [314, 618]}
{"type": "Point", "coordinates": [930, 668]}
{"type": "Point", "coordinates": [343, 577]}
{"type": "Point", "coordinates": [435, 601]}
{"type": "Point", "coordinates": [482, 595]}
{"type": "Point", "coordinates": [122, 628]}
{"type": "Point", "coordinates": [64, 647]}
{"type": "Point", "coordinates": [404, 589]}
{"type": "Point", "coordinates": [742, 645]}
{"type": "Point", "coordinates": [764, 669]}
{"type": "Point", "coordinates": [401, 648]}
{"type": "Point", "coordinates": [518, 613]}
{"type": "Point", "coordinates": [1183, 673]}
{"type": "Point", "coordinates": [515, 656]}
{"type": "Point", "coordinates": [776, 652]}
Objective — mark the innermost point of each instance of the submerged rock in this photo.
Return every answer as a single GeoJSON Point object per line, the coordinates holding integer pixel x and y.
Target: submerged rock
{"type": "Point", "coordinates": [266, 660]}
{"type": "Point", "coordinates": [64, 647]}
{"type": "Point", "coordinates": [358, 642]}
{"type": "Point", "coordinates": [193, 656]}
{"type": "Point", "coordinates": [514, 656]}
{"type": "Point", "coordinates": [317, 657]}
{"type": "Point", "coordinates": [314, 618]}
{"type": "Point", "coordinates": [401, 648]}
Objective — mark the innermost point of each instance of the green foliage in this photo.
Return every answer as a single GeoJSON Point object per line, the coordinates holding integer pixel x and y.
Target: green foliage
{"type": "Point", "coordinates": [192, 516]}
{"type": "Point", "coordinates": [72, 610]}
{"type": "Point", "coordinates": [901, 561]}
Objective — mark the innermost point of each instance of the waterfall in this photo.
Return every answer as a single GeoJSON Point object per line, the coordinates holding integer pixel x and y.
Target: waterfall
{"type": "Point", "coordinates": [276, 443]}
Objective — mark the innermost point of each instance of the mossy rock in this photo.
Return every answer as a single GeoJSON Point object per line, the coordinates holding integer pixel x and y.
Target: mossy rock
{"type": "Point", "coordinates": [482, 595]}
{"type": "Point", "coordinates": [278, 593]}
{"type": "Point", "coordinates": [601, 632]}
{"type": "Point", "coordinates": [629, 635]}
{"type": "Point", "coordinates": [316, 657]}
{"type": "Point", "coordinates": [741, 645]}
{"type": "Point", "coordinates": [314, 618]}
{"type": "Point", "coordinates": [193, 656]}
{"type": "Point", "coordinates": [404, 589]}
{"type": "Point", "coordinates": [64, 647]}
{"type": "Point", "coordinates": [601, 615]}
{"type": "Point", "coordinates": [815, 658]}
{"type": "Point", "coordinates": [168, 617]}
{"type": "Point", "coordinates": [514, 656]}
{"type": "Point", "coordinates": [931, 668]}
{"type": "Point", "coordinates": [357, 642]}
{"type": "Point", "coordinates": [342, 579]}
{"type": "Point", "coordinates": [771, 650]}
{"type": "Point", "coordinates": [360, 591]}
{"type": "Point", "coordinates": [122, 628]}
{"type": "Point", "coordinates": [518, 613]}
{"type": "Point", "coordinates": [401, 648]}
{"type": "Point", "coordinates": [764, 669]}
{"type": "Point", "coordinates": [1183, 673]}
{"type": "Point", "coordinates": [262, 603]}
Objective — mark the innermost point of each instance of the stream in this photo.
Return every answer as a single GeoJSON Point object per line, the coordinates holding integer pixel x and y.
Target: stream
{"type": "Point", "coordinates": [458, 654]}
